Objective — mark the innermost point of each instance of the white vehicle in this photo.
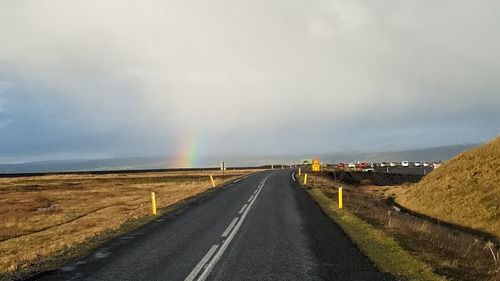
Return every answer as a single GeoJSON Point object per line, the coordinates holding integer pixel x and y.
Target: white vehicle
{"type": "Point", "coordinates": [369, 170]}
{"type": "Point", "coordinates": [417, 164]}
{"type": "Point", "coordinates": [393, 164]}
{"type": "Point", "coordinates": [426, 164]}
{"type": "Point", "coordinates": [383, 164]}
{"type": "Point", "coordinates": [352, 165]}
{"type": "Point", "coordinates": [405, 164]}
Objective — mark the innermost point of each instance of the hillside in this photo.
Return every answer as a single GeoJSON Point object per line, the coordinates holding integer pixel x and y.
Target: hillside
{"type": "Point", "coordinates": [464, 190]}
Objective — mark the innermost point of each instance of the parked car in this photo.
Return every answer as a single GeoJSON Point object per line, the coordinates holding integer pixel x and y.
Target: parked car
{"type": "Point", "coordinates": [393, 164]}
{"type": "Point", "coordinates": [368, 170]}
{"type": "Point", "coordinates": [383, 164]}
{"type": "Point", "coordinates": [426, 164]}
{"type": "Point", "coordinates": [340, 165]}
{"type": "Point", "coordinates": [352, 165]}
{"type": "Point", "coordinates": [417, 164]}
{"type": "Point", "coordinates": [373, 165]}
{"type": "Point", "coordinates": [405, 164]}
{"type": "Point", "coordinates": [363, 165]}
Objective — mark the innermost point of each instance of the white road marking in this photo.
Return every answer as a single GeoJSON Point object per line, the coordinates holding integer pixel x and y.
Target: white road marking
{"type": "Point", "coordinates": [242, 209]}
{"type": "Point", "coordinates": [231, 225]}
{"type": "Point", "coordinates": [250, 199]}
{"type": "Point", "coordinates": [236, 180]}
{"type": "Point", "coordinates": [202, 263]}
{"type": "Point", "coordinates": [226, 243]}
{"type": "Point", "coordinates": [293, 177]}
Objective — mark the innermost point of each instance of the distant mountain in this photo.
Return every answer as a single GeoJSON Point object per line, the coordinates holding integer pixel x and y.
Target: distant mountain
{"type": "Point", "coordinates": [426, 154]}
{"type": "Point", "coordinates": [138, 163]}
{"type": "Point", "coordinates": [141, 163]}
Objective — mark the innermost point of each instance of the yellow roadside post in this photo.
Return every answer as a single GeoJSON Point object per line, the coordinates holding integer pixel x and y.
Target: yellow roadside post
{"type": "Point", "coordinates": [305, 178]}
{"type": "Point", "coordinates": [153, 203]}
{"type": "Point", "coordinates": [300, 172]}
{"type": "Point", "coordinates": [340, 197]}
{"type": "Point", "coordinates": [212, 179]}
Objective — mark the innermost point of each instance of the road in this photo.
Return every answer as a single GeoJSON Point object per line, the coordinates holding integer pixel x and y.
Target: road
{"type": "Point", "coordinates": [263, 227]}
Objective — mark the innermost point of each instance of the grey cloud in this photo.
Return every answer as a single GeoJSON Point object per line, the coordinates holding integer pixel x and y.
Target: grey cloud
{"type": "Point", "coordinates": [250, 76]}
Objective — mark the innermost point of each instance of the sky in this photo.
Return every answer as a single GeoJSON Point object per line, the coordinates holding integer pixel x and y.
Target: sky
{"type": "Point", "coordinates": [193, 79]}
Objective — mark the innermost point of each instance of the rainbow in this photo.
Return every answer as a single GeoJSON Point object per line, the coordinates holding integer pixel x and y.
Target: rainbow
{"type": "Point", "coordinates": [188, 148]}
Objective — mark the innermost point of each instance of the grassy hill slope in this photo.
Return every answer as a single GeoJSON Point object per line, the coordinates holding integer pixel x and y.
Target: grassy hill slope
{"type": "Point", "coordinates": [465, 190]}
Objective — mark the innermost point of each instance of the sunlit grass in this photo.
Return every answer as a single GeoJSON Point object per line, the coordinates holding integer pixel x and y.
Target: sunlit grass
{"type": "Point", "coordinates": [41, 217]}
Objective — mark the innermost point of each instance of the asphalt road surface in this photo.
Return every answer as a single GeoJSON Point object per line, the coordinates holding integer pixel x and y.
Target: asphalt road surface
{"type": "Point", "coordinates": [263, 227]}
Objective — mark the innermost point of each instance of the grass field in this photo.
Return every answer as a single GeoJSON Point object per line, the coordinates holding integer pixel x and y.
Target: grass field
{"type": "Point", "coordinates": [446, 251]}
{"type": "Point", "coordinates": [47, 216]}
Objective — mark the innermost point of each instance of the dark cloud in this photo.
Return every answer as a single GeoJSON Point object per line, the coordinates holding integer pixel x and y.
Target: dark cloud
{"type": "Point", "coordinates": [123, 78]}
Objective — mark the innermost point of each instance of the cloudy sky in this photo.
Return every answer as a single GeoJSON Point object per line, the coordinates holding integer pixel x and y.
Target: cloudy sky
{"type": "Point", "coordinates": [98, 79]}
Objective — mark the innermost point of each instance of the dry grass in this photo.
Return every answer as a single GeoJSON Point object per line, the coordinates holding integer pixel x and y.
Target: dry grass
{"type": "Point", "coordinates": [384, 251]}
{"type": "Point", "coordinates": [41, 217]}
{"type": "Point", "coordinates": [463, 191]}
{"type": "Point", "coordinates": [449, 252]}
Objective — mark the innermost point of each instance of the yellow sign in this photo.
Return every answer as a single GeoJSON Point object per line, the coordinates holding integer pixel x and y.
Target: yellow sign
{"type": "Point", "coordinates": [316, 166]}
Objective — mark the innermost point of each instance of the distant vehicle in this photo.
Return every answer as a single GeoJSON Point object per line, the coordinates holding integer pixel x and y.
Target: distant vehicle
{"type": "Point", "coordinates": [363, 165]}
{"type": "Point", "coordinates": [352, 165]}
{"type": "Point", "coordinates": [393, 164]}
{"type": "Point", "coordinates": [417, 164]}
{"type": "Point", "coordinates": [340, 165]}
{"type": "Point", "coordinates": [368, 170]}
{"type": "Point", "coordinates": [405, 164]}
{"type": "Point", "coordinates": [383, 164]}
{"type": "Point", "coordinates": [426, 164]}
{"type": "Point", "coordinates": [373, 165]}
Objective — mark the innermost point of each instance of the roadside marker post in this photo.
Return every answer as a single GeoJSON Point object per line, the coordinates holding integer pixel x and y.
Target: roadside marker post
{"type": "Point", "coordinates": [223, 168]}
{"type": "Point", "coordinates": [300, 172]}
{"type": "Point", "coordinates": [212, 179]}
{"type": "Point", "coordinates": [153, 203]}
{"type": "Point", "coordinates": [340, 198]}
{"type": "Point", "coordinates": [305, 178]}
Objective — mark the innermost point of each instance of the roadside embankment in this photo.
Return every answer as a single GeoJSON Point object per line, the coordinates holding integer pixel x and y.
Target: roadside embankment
{"type": "Point", "coordinates": [384, 251]}
{"type": "Point", "coordinates": [464, 191]}
{"type": "Point", "coordinates": [371, 178]}
{"type": "Point", "coordinates": [447, 252]}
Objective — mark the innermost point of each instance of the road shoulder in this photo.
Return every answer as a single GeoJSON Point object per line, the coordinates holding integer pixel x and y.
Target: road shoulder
{"type": "Point", "coordinates": [380, 248]}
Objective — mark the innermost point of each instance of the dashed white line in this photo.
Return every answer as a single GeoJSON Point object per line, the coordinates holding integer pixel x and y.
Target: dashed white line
{"type": "Point", "coordinates": [202, 263]}
{"type": "Point", "coordinates": [242, 209]}
{"type": "Point", "coordinates": [250, 199]}
{"type": "Point", "coordinates": [224, 246]}
{"type": "Point", "coordinates": [231, 225]}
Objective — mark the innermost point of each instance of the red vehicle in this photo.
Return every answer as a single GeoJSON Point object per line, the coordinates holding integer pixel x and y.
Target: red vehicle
{"type": "Point", "coordinates": [340, 165]}
{"type": "Point", "coordinates": [363, 165]}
